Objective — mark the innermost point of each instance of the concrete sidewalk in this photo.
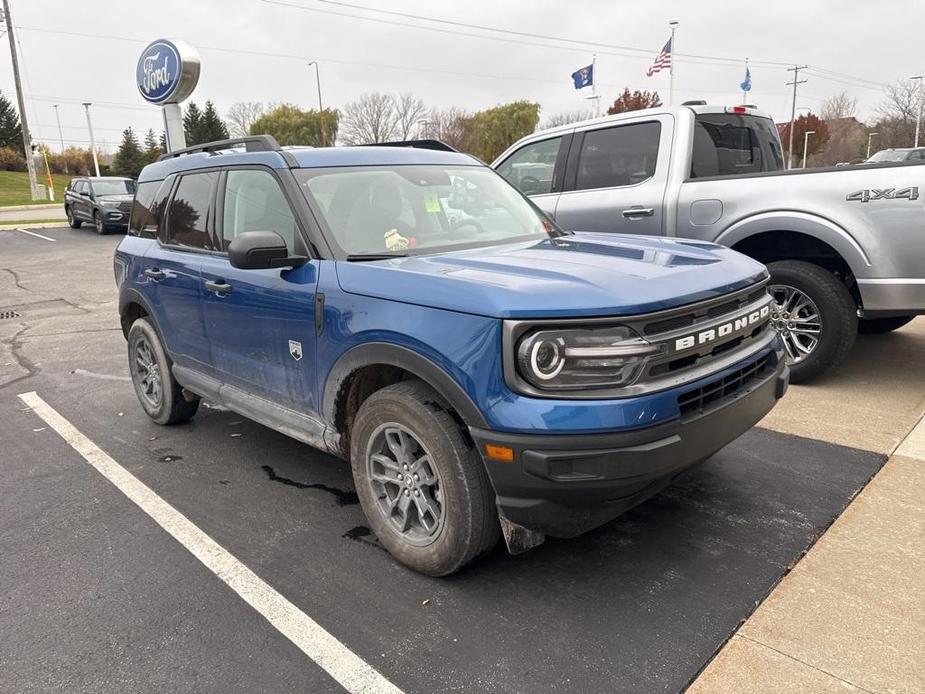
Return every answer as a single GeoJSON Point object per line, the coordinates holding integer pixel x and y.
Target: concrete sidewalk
{"type": "Point", "coordinates": [27, 212]}
{"type": "Point", "coordinates": [850, 616]}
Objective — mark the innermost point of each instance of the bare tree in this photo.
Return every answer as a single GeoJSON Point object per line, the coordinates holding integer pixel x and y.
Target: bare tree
{"type": "Point", "coordinates": [567, 117]}
{"type": "Point", "coordinates": [408, 111]}
{"type": "Point", "coordinates": [241, 116]}
{"type": "Point", "coordinates": [371, 118]}
{"type": "Point", "coordinates": [901, 101]}
{"type": "Point", "coordinates": [449, 125]}
{"type": "Point", "coordinates": [839, 106]}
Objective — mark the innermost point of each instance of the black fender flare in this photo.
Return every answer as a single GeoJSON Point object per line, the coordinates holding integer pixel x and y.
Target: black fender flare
{"type": "Point", "coordinates": [403, 358]}
{"type": "Point", "coordinates": [133, 296]}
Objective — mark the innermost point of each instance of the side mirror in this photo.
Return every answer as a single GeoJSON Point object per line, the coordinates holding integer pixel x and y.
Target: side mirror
{"type": "Point", "coordinates": [259, 250]}
{"type": "Point", "coordinates": [84, 194]}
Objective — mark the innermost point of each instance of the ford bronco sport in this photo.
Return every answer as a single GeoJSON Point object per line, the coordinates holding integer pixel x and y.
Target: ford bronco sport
{"type": "Point", "coordinates": [408, 310]}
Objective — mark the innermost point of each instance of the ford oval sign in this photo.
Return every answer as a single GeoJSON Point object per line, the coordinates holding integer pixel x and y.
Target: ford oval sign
{"type": "Point", "coordinates": [167, 71]}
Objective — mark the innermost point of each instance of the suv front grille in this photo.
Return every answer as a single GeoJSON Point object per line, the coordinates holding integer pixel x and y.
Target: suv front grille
{"type": "Point", "coordinates": [700, 400]}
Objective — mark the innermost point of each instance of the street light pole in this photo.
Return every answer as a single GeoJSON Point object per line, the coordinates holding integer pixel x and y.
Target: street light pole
{"type": "Point", "coordinates": [805, 143]}
{"type": "Point", "coordinates": [918, 121]}
{"type": "Point", "coordinates": [96, 163]}
{"type": "Point", "coordinates": [324, 135]}
{"type": "Point", "coordinates": [24, 122]}
{"type": "Point", "coordinates": [870, 136]}
{"type": "Point", "coordinates": [61, 137]}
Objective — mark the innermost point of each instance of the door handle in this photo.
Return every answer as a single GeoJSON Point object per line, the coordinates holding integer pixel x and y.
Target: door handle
{"type": "Point", "coordinates": [155, 274]}
{"type": "Point", "coordinates": [220, 288]}
{"type": "Point", "coordinates": [639, 212]}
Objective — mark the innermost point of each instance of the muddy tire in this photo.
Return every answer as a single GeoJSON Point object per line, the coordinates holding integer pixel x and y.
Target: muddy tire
{"type": "Point", "coordinates": [815, 316]}
{"type": "Point", "coordinates": [882, 326]}
{"type": "Point", "coordinates": [420, 481]}
{"type": "Point", "coordinates": [158, 392]}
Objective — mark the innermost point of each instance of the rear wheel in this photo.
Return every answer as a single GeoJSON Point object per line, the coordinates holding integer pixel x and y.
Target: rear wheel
{"type": "Point", "coordinates": [881, 326]}
{"type": "Point", "coordinates": [422, 486]}
{"type": "Point", "coordinates": [158, 392]}
{"type": "Point", "coordinates": [99, 223]}
{"type": "Point", "coordinates": [815, 316]}
{"type": "Point", "coordinates": [72, 221]}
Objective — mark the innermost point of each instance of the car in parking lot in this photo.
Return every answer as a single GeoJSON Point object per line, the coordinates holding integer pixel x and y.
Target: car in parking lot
{"type": "Point", "coordinates": [843, 244]}
{"type": "Point", "coordinates": [897, 154]}
{"type": "Point", "coordinates": [103, 201]}
{"type": "Point", "coordinates": [404, 308]}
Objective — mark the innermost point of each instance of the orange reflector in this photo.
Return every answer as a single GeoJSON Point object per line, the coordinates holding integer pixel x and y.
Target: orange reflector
{"type": "Point", "coordinates": [503, 454]}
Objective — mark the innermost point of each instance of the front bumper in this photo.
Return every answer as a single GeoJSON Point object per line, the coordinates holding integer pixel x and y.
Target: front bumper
{"type": "Point", "coordinates": [564, 485]}
{"type": "Point", "coordinates": [114, 217]}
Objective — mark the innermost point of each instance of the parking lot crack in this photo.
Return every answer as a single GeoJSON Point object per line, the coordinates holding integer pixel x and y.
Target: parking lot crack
{"type": "Point", "coordinates": [16, 279]}
{"type": "Point", "coordinates": [344, 498]}
{"type": "Point", "coordinates": [16, 346]}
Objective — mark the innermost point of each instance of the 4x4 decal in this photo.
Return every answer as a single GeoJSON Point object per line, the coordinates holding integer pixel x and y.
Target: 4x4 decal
{"type": "Point", "coordinates": [869, 194]}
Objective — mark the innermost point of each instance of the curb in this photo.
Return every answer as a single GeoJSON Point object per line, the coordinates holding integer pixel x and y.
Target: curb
{"type": "Point", "coordinates": [37, 225]}
{"type": "Point", "coordinates": [22, 208]}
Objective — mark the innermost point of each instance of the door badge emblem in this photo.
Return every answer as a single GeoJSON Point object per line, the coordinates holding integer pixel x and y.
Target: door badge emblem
{"type": "Point", "coordinates": [295, 349]}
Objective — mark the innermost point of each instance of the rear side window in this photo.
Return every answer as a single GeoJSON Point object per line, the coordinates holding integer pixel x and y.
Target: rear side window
{"type": "Point", "coordinates": [530, 169]}
{"type": "Point", "coordinates": [255, 202]}
{"type": "Point", "coordinates": [620, 156]}
{"type": "Point", "coordinates": [148, 208]}
{"type": "Point", "coordinates": [188, 212]}
{"type": "Point", "coordinates": [726, 144]}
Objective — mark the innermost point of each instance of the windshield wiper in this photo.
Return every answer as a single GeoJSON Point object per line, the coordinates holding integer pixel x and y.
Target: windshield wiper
{"type": "Point", "coordinates": [374, 256]}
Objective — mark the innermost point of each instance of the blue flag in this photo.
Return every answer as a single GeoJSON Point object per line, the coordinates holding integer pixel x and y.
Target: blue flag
{"type": "Point", "coordinates": [583, 77]}
{"type": "Point", "coordinates": [747, 82]}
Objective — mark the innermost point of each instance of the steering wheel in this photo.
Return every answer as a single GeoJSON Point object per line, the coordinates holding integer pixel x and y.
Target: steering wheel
{"type": "Point", "coordinates": [529, 184]}
{"type": "Point", "coordinates": [456, 226]}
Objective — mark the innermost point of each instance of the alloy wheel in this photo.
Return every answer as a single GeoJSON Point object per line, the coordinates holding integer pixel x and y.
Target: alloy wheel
{"type": "Point", "coordinates": [148, 374]}
{"type": "Point", "coordinates": [405, 483]}
{"type": "Point", "coordinates": [797, 320]}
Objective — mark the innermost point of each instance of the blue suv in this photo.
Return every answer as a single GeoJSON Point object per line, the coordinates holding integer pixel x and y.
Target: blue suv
{"type": "Point", "coordinates": [404, 308]}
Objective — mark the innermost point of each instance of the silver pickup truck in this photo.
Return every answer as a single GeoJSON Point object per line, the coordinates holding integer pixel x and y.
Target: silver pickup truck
{"type": "Point", "coordinates": [845, 246]}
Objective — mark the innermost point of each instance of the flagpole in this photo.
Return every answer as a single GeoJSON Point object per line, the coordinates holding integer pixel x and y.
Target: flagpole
{"type": "Point", "coordinates": [744, 93]}
{"type": "Point", "coordinates": [597, 101]}
{"type": "Point", "coordinates": [674, 25]}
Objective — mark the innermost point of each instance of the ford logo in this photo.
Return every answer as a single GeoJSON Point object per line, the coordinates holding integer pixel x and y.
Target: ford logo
{"type": "Point", "coordinates": [167, 72]}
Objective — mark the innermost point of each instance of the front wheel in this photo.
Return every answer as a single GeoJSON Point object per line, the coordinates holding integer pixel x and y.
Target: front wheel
{"type": "Point", "coordinates": [815, 316]}
{"type": "Point", "coordinates": [882, 326]}
{"type": "Point", "coordinates": [72, 221]}
{"type": "Point", "coordinates": [421, 484]}
{"type": "Point", "coordinates": [158, 392]}
{"type": "Point", "coordinates": [99, 223]}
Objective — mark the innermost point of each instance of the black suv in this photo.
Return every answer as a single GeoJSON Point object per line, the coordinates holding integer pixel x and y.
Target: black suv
{"type": "Point", "coordinates": [104, 201]}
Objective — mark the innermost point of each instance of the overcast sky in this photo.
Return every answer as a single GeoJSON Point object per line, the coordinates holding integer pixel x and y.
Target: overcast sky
{"type": "Point", "coordinates": [866, 44]}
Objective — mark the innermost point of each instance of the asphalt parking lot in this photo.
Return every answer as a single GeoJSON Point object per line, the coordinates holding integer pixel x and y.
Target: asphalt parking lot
{"type": "Point", "coordinates": [98, 597]}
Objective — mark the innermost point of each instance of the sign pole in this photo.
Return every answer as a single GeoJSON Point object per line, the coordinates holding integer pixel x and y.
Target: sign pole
{"type": "Point", "coordinates": [173, 127]}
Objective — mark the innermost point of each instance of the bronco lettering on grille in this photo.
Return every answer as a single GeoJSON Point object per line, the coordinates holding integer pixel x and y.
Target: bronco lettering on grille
{"type": "Point", "coordinates": [722, 330]}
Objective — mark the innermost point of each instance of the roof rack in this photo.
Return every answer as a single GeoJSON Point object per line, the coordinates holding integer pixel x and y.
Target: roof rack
{"type": "Point", "coordinates": [419, 144]}
{"type": "Point", "coordinates": [252, 143]}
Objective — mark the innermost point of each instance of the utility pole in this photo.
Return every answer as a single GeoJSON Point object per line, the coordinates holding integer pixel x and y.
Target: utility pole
{"type": "Point", "coordinates": [61, 137]}
{"type": "Point", "coordinates": [324, 135]}
{"type": "Point", "coordinates": [26, 137]}
{"type": "Point", "coordinates": [918, 121]}
{"type": "Point", "coordinates": [96, 163]}
{"type": "Point", "coordinates": [793, 110]}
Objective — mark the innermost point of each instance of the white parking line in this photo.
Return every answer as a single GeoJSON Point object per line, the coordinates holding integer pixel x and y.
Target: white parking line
{"type": "Point", "coordinates": [346, 667]}
{"type": "Point", "coordinates": [38, 236]}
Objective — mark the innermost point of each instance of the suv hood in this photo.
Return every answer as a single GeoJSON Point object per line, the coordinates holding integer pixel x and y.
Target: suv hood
{"type": "Point", "coordinates": [581, 274]}
{"type": "Point", "coordinates": [117, 197]}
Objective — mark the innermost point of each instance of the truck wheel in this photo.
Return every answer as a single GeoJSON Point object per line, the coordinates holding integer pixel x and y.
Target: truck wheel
{"type": "Point", "coordinates": [158, 392]}
{"type": "Point", "coordinates": [72, 221]}
{"type": "Point", "coordinates": [814, 315]}
{"type": "Point", "coordinates": [421, 484]}
{"type": "Point", "coordinates": [99, 224]}
{"type": "Point", "coordinates": [881, 326]}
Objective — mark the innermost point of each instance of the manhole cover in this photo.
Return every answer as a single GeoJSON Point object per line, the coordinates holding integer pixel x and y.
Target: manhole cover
{"type": "Point", "coordinates": [9, 314]}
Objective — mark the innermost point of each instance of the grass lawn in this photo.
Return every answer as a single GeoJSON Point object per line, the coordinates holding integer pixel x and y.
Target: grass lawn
{"type": "Point", "coordinates": [14, 188]}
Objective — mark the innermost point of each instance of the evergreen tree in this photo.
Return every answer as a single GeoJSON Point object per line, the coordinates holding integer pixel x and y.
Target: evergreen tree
{"type": "Point", "coordinates": [162, 141]}
{"type": "Point", "coordinates": [192, 124]}
{"type": "Point", "coordinates": [213, 128]}
{"type": "Point", "coordinates": [10, 128]}
{"type": "Point", "coordinates": [152, 147]}
{"type": "Point", "coordinates": [130, 158]}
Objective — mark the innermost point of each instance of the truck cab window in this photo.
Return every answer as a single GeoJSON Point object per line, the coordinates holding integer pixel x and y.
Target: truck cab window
{"type": "Point", "coordinates": [530, 169]}
{"type": "Point", "coordinates": [726, 144]}
{"type": "Point", "coordinates": [621, 156]}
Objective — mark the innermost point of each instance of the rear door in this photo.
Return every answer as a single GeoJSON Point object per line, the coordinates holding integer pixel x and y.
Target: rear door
{"type": "Point", "coordinates": [172, 268]}
{"type": "Point", "coordinates": [537, 170]}
{"type": "Point", "coordinates": [261, 323]}
{"type": "Point", "coordinates": [616, 177]}
{"type": "Point", "coordinates": [81, 202]}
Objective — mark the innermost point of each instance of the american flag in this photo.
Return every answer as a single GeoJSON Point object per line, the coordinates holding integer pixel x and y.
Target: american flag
{"type": "Point", "coordinates": [662, 60]}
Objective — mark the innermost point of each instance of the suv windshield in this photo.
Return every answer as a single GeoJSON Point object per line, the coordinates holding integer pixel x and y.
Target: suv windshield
{"type": "Point", "coordinates": [116, 186]}
{"type": "Point", "coordinates": [412, 209]}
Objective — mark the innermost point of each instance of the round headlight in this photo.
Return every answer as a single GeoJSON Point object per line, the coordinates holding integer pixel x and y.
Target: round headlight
{"type": "Point", "coordinates": [541, 357]}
